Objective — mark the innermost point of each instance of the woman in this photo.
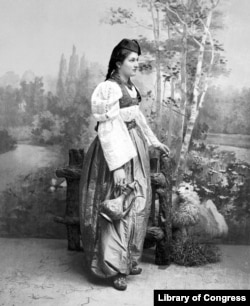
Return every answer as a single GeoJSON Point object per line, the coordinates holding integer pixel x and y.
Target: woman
{"type": "Point", "coordinates": [118, 156]}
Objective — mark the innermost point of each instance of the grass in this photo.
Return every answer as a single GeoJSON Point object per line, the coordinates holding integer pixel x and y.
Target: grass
{"type": "Point", "coordinates": [191, 253]}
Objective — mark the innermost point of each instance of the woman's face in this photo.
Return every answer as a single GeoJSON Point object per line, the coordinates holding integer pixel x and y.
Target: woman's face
{"type": "Point", "coordinates": [130, 65]}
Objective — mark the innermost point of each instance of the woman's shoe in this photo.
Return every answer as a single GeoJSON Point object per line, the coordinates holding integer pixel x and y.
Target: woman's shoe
{"type": "Point", "coordinates": [120, 282]}
{"type": "Point", "coordinates": [135, 270]}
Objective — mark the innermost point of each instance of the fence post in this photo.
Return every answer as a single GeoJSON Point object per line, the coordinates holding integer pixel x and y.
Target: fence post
{"type": "Point", "coordinates": [163, 187]}
{"type": "Point", "coordinates": [72, 174]}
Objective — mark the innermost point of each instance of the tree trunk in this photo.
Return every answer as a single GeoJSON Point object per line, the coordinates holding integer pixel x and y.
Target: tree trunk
{"type": "Point", "coordinates": [156, 31]}
{"type": "Point", "coordinates": [183, 94]}
{"type": "Point", "coordinates": [208, 73]}
{"type": "Point", "coordinates": [194, 104]}
{"type": "Point", "coordinates": [171, 117]}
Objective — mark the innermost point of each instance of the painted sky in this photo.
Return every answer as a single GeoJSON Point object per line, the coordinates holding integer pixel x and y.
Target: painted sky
{"type": "Point", "coordinates": [34, 34]}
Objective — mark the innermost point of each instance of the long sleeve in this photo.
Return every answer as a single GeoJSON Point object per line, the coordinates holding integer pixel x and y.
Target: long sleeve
{"type": "Point", "coordinates": [149, 134]}
{"type": "Point", "coordinates": [113, 134]}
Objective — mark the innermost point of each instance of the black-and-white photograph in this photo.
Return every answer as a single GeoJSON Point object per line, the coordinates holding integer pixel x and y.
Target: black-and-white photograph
{"type": "Point", "coordinates": [124, 152]}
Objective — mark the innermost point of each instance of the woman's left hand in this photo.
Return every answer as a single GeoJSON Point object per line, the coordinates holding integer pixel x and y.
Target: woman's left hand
{"type": "Point", "coordinates": [164, 149]}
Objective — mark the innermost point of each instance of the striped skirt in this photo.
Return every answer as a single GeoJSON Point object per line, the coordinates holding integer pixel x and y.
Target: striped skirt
{"type": "Point", "coordinates": [114, 247]}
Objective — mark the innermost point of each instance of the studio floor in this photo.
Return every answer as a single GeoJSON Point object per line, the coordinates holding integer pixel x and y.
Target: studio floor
{"type": "Point", "coordinates": [44, 272]}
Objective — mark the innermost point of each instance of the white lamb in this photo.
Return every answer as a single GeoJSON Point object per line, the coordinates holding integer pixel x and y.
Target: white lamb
{"type": "Point", "coordinates": [188, 213]}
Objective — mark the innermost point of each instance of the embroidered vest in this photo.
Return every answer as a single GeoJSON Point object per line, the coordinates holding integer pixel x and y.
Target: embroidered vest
{"type": "Point", "coordinates": [126, 100]}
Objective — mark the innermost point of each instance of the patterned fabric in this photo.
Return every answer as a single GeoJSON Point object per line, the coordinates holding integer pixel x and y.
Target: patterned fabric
{"type": "Point", "coordinates": [105, 101]}
{"type": "Point", "coordinates": [114, 247]}
{"type": "Point", "coordinates": [113, 103]}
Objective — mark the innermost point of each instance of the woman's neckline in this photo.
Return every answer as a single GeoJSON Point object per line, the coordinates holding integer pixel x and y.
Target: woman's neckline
{"type": "Point", "coordinates": [115, 76]}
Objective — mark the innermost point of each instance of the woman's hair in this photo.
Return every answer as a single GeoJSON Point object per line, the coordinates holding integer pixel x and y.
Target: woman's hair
{"type": "Point", "coordinates": [118, 55]}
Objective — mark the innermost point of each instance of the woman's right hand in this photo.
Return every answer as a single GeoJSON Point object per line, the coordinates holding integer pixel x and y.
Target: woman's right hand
{"type": "Point", "coordinates": [119, 177]}
{"type": "Point", "coordinates": [164, 149]}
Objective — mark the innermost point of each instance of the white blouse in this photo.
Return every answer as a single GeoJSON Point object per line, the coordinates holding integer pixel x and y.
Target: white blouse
{"type": "Point", "coordinates": [113, 134]}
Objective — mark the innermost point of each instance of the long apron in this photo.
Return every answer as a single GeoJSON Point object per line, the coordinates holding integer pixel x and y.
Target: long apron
{"type": "Point", "coordinates": [114, 247]}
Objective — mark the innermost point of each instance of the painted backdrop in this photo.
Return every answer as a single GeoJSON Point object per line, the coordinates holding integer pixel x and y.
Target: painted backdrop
{"type": "Point", "coordinates": [194, 78]}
